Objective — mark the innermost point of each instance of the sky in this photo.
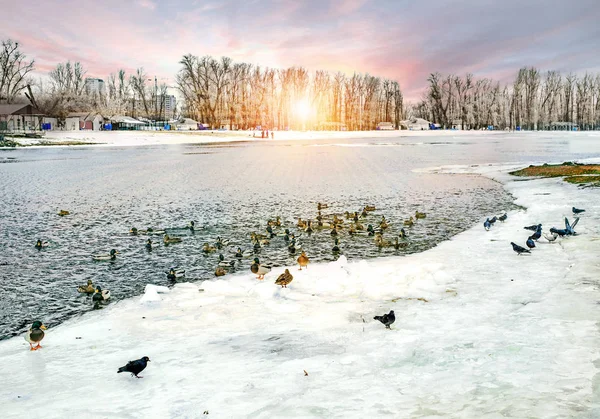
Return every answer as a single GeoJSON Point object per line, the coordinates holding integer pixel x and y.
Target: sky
{"type": "Point", "coordinates": [404, 40]}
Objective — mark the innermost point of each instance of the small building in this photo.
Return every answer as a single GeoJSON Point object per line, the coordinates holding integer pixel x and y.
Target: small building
{"type": "Point", "coordinates": [186, 124]}
{"type": "Point", "coordinates": [561, 126]}
{"type": "Point", "coordinates": [84, 121]}
{"type": "Point", "coordinates": [20, 117]}
{"type": "Point", "coordinates": [415, 124]}
{"type": "Point", "coordinates": [125, 123]}
{"type": "Point", "coordinates": [385, 126]}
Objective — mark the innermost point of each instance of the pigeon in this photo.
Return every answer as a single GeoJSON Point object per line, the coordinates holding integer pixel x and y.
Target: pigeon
{"type": "Point", "coordinates": [493, 219]}
{"type": "Point", "coordinates": [503, 218]}
{"type": "Point", "coordinates": [577, 210]}
{"type": "Point", "coordinates": [520, 250]}
{"type": "Point", "coordinates": [561, 233]}
{"type": "Point", "coordinates": [387, 319]}
{"type": "Point", "coordinates": [135, 367]}
{"type": "Point", "coordinates": [487, 224]}
{"type": "Point", "coordinates": [569, 228]}
{"type": "Point", "coordinates": [536, 236]}
{"type": "Point", "coordinates": [533, 227]}
{"type": "Point", "coordinates": [530, 243]}
{"type": "Point", "coordinates": [551, 238]}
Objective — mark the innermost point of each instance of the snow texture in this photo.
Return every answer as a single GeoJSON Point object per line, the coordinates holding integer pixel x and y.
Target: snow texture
{"type": "Point", "coordinates": [480, 333]}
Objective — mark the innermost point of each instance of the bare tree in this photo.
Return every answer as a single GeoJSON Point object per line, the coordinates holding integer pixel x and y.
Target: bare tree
{"type": "Point", "coordinates": [14, 69]}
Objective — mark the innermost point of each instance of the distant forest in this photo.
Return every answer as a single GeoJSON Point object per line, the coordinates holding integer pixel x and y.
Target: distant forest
{"type": "Point", "coordinates": [218, 91]}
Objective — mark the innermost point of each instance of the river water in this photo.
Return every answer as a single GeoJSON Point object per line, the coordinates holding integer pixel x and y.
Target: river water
{"type": "Point", "coordinates": [230, 190]}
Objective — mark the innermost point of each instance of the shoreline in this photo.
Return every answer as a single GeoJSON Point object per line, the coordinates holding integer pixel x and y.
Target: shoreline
{"type": "Point", "coordinates": [480, 345]}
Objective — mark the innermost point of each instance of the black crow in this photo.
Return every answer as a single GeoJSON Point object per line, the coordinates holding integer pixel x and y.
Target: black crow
{"type": "Point", "coordinates": [387, 319]}
{"type": "Point", "coordinates": [135, 367]}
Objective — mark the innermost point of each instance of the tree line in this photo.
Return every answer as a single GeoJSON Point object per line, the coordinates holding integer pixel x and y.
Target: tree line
{"type": "Point", "coordinates": [534, 101]}
{"type": "Point", "coordinates": [219, 91]}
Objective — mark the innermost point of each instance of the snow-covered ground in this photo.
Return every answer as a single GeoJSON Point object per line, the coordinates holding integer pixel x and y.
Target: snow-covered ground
{"type": "Point", "coordinates": [480, 333]}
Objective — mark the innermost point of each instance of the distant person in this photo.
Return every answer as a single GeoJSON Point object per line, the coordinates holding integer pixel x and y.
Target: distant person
{"type": "Point", "coordinates": [272, 135]}
{"type": "Point", "coordinates": [262, 134]}
{"type": "Point", "coordinates": [267, 134]}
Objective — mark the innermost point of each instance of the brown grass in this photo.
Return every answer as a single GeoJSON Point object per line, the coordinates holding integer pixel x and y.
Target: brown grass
{"type": "Point", "coordinates": [573, 172]}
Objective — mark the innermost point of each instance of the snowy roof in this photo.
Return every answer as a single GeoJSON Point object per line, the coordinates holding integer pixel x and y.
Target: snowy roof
{"type": "Point", "coordinates": [18, 109]}
{"type": "Point", "coordinates": [126, 120]}
{"type": "Point", "coordinates": [186, 121]}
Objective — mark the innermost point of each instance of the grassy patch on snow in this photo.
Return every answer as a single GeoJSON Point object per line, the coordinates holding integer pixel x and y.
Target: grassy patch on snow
{"type": "Point", "coordinates": [579, 174]}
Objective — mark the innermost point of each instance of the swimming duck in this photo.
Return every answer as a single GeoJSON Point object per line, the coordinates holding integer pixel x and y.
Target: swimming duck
{"type": "Point", "coordinates": [402, 234]}
{"type": "Point", "coordinates": [35, 334]}
{"type": "Point", "coordinates": [220, 271]}
{"type": "Point", "coordinates": [370, 208]}
{"type": "Point", "coordinates": [220, 243]}
{"type": "Point", "coordinates": [260, 270]}
{"type": "Point", "coordinates": [292, 246]}
{"type": "Point", "coordinates": [207, 248]}
{"type": "Point", "coordinates": [420, 215]}
{"type": "Point", "coordinates": [171, 240]}
{"type": "Point", "coordinates": [40, 244]}
{"type": "Point", "coordinates": [321, 206]}
{"type": "Point", "coordinates": [364, 213]}
{"type": "Point", "coordinates": [149, 245]}
{"type": "Point", "coordinates": [358, 226]}
{"type": "Point", "coordinates": [87, 289]}
{"type": "Point", "coordinates": [409, 222]}
{"type": "Point", "coordinates": [175, 273]}
{"type": "Point", "coordinates": [192, 226]}
{"type": "Point", "coordinates": [337, 220]}
{"type": "Point", "coordinates": [225, 263]}
{"type": "Point", "coordinates": [133, 231]}
{"type": "Point", "coordinates": [334, 231]}
{"type": "Point", "coordinates": [352, 230]}
{"type": "Point", "coordinates": [383, 224]}
{"type": "Point", "coordinates": [62, 213]}
{"type": "Point", "coordinates": [239, 253]}
{"type": "Point", "coordinates": [276, 222]}
{"type": "Point", "coordinates": [303, 260]}
{"type": "Point", "coordinates": [284, 279]}
{"type": "Point", "coordinates": [379, 241]}
{"type": "Point", "coordinates": [100, 296]}
{"type": "Point", "coordinates": [151, 232]}
{"type": "Point", "coordinates": [319, 216]}
{"type": "Point", "coordinates": [370, 230]}
{"type": "Point", "coordinates": [301, 224]}
{"type": "Point", "coordinates": [111, 256]}
{"type": "Point", "coordinates": [336, 247]}
{"type": "Point", "coordinates": [309, 228]}
{"type": "Point", "coordinates": [397, 245]}
{"type": "Point", "coordinates": [270, 231]}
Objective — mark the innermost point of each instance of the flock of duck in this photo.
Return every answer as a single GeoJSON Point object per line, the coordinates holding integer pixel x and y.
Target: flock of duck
{"type": "Point", "coordinates": [350, 223]}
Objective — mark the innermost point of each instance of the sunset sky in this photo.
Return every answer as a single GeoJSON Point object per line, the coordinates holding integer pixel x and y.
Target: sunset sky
{"type": "Point", "coordinates": [403, 39]}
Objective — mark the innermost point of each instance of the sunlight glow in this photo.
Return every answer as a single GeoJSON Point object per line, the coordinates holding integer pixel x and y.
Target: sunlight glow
{"type": "Point", "coordinates": [303, 108]}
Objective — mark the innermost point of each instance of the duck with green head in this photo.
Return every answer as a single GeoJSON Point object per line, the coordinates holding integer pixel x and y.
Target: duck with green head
{"type": "Point", "coordinates": [175, 273]}
{"type": "Point", "coordinates": [149, 245]}
{"type": "Point", "coordinates": [40, 244]}
{"type": "Point", "coordinates": [35, 334]}
{"type": "Point", "coordinates": [111, 256]}
{"type": "Point", "coordinates": [100, 296]}
{"type": "Point", "coordinates": [133, 231]}
{"type": "Point", "coordinates": [225, 263]}
{"type": "Point", "coordinates": [336, 247]}
{"type": "Point", "coordinates": [260, 270]}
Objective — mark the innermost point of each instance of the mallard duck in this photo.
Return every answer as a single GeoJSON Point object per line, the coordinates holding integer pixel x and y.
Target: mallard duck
{"type": "Point", "coordinates": [370, 230]}
{"type": "Point", "coordinates": [420, 215]}
{"type": "Point", "coordinates": [220, 271]}
{"type": "Point", "coordinates": [309, 228]}
{"type": "Point", "coordinates": [270, 231]}
{"type": "Point", "coordinates": [352, 230]}
{"type": "Point", "coordinates": [260, 270]}
{"type": "Point", "coordinates": [319, 216]}
{"type": "Point", "coordinates": [111, 256]}
{"type": "Point", "coordinates": [301, 224]}
{"type": "Point", "coordinates": [364, 213]}
{"type": "Point", "coordinates": [40, 244]}
{"type": "Point", "coordinates": [133, 231]}
{"type": "Point", "coordinates": [336, 247]}
{"type": "Point", "coordinates": [321, 206]}
{"type": "Point", "coordinates": [239, 253]}
{"type": "Point", "coordinates": [402, 234]}
{"type": "Point", "coordinates": [35, 334]}
{"type": "Point", "coordinates": [284, 279]}
{"type": "Point", "coordinates": [370, 208]}
{"type": "Point", "coordinates": [358, 226]}
{"type": "Point", "coordinates": [62, 213]}
{"type": "Point", "coordinates": [87, 289]}
{"type": "Point", "coordinates": [397, 245]}
{"type": "Point", "coordinates": [292, 246]}
{"type": "Point", "coordinates": [225, 263]}
{"type": "Point", "coordinates": [275, 223]}
{"type": "Point", "coordinates": [355, 217]}
{"type": "Point", "coordinates": [171, 240]}
{"type": "Point", "coordinates": [383, 223]}
{"type": "Point", "coordinates": [192, 226]}
{"type": "Point", "coordinates": [379, 241]}
{"type": "Point", "coordinates": [303, 261]}
{"type": "Point", "coordinates": [409, 222]}
{"type": "Point", "coordinates": [175, 273]}
{"type": "Point", "coordinates": [149, 245]}
{"type": "Point", "coordinates": [100, 296]}
{"type": "Point", "coordinates": [151, 232]}
{"type": "Point", "coordinates": [207, 248]}
{"type": "Point", "coordinates": [334, 231]}
{"type": "Point", "coordinates": [220, 243]}
{"type": "Point", "coordinates": [337, 221]}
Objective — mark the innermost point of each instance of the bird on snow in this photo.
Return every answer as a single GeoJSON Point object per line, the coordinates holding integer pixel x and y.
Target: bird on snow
{"type": "Point", "coordinates": [387, 319]}
{"type": "Point", "coordinates": [577, 210]}
{"type": "Point", "coordinates": [284, 279]}
{"type": "Point", "coordinates": [538, 233]}
{"type": "Point", "coordinates": [530, 243]}
{"type": "Point", "coordinates": [560, 232]}
{"type": "Point", "coordinates": [520, 250]}
{"type": "Point", "coordinates": [303, 261]}
{"type": "Point", "coordinates": [135, 367]}
{"type": "Point", "coordinates": [569, 228]}
{"type": "Point", "coordinates": [551, 238]}
{"type": "Point", "coordinates": [487, 224]}
{"type": "Point", "coordinates": [35, 334]}
{"type": "Point", "coordinates": [260, 270]}
{"type": "Point", "coordinates": [493, 220]}
{"type": "Point", "coordinates": [533, 227]}
{"type": "Point", "coordinates": [503, 218]}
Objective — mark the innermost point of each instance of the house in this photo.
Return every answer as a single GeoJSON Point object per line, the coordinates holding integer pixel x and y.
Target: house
{"type": "Point", "coordinates": [385, 126]}
{"type": "Point", "coordinates": [125, 123]}
{"type": "Point", "coordinates": [84, 121]}
{"type": "Point", "coordinates": [186, 124]}
{"type": "Point", "coordinates": [415, 124]}
{"type": "Point", "coordinates": [20, 117]}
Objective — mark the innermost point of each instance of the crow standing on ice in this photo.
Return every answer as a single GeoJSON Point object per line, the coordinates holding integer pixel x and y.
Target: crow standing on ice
{"type": "Point", "coordinates": [519, 249]}
{"type": "Point", "coordinates": [135, 367]}
{"type": "Point", "coordinates": [577, 210]}
{"type": "Point", "coordinates": [386, 319]}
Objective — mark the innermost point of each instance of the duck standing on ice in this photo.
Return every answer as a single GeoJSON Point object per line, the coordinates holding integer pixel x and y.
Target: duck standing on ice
{"type": "Point", "coordinates": [35, 335]}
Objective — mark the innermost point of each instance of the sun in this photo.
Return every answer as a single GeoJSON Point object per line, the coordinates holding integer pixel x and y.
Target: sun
{"type": "Point", "coordinates": [303, 108]}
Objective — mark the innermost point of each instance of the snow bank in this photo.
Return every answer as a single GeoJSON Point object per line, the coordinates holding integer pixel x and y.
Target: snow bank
{"type": "Point", "coordinates": [480, 333]}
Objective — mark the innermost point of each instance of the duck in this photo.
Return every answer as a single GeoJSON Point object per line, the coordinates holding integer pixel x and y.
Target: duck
{"type": "Point", "coordinates": [151, 232]}
{"type": "Point", "coordinates": [225, 263]}
{"type": "Point", "coordinates": [62, 213]}
{"type": "Point", "coordinates": [35, 334]}
{"type": "Point", "coordinates": [303, 261]}
{"type": "Point", "coordinates": [111, 256]}
{"type": "Point", "coordinates": [149, 245]}
{"type": "Point", "coordinates": [358, 226]}
{"type": "Point", "coordinates": [321, 206]}
{"type": "Point", "coordinates": [370, 230]}
{"type": "Point", "coordinates": [409, 222]}
{"type": "Point", "coordinates": [292, 246]}
{"type": "Point", "coordinates": [370, 208]}
{"type": "Point", "coordinates": [192, 226]}
{"type": "Point", "coordinates": [397, 245]}
{"type": "Point", "coordinates": [260, 270]}
{"type": "Point", "coordinates": [270, 231]}
{"type": "Point", "coordinates": [133, 231]}
{"type": "Point", "coordinates": [420, 215]}
{"type": "Point", "coordinates": [220, 271]}
{"type": "Point", "coordinates": [383, 224]}
{"type": "Point", "coordinates": [87, 289]}
{"type": "Point", "coordinates": [380, 242]}
{"type": "Point", "coordinates": [207, 248]}
{"type": "Point", "coordinates": [402, 234]}
{"type": "Point", "coordinates": [284, 279]}
{"type": "Point", "coordinates": [352, 230]}
{"type": "Point", "coordinates": [100, 296]}
{"type": "Point", "coordinates": [364, 213]}
{"type": "Point", "coordinates": [40, 244]}
{"type": "Point", "coordinates": [171, 240]}
{"type": "Point", "coordinates": [334, 231]}
{"type": "Point", "coordinates": [348, 215]}
{"type": "Point", "coordinates": [175, 273]}
{"type": "Point", "coordinates": [337, 220]}
{"type": "Point", "coordinates": [220, 243]}
{"type": "Point", "coordinates": [309, 228]}
{"type": "Point", "coordinates": [301, 224]}
{"type": "Point", "coordinates": [276, 222]}
{"type": "Point", "coordinates": [336, 247]}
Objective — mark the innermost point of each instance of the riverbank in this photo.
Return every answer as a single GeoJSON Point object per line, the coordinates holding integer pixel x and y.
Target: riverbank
{"type": "Point", "coordinates": [479, 332]}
